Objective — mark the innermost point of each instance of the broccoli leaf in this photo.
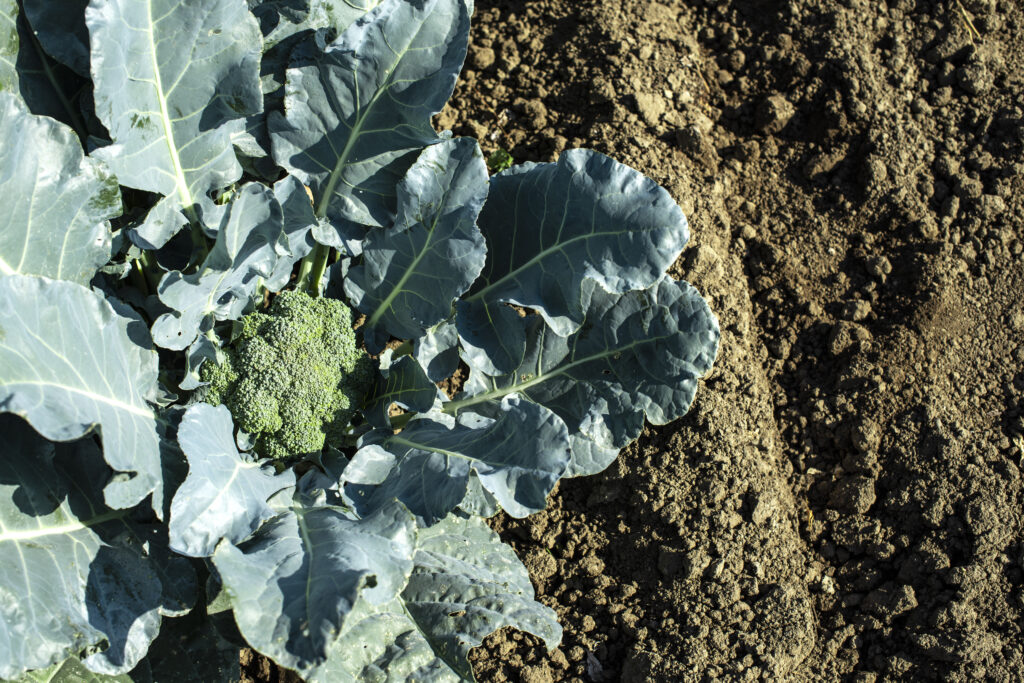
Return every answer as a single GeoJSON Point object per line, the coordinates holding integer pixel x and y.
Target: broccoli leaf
{"type": "Point", "coordinates": [518, 457]}
{"type": "Point", "coordinates": [465, 585]}
{"type": "Point", "coordinates": [9, 44]}
{"type": "Point", "coordinates": [636, 354]}
{"type": "Point", "coordinates": [225, 495]}
{"type": "Point", "coordinates": [73, 574]}
{"type": "Point", "coordinates": [437, 351]}
{"type": "Point", "coordinates": [173, 82]}
{"type": "Point", "coordinates": [358, 112]}
{"type": "Point", "coordinates": [412, 272]}
{"type": "Point", "coordinates": [58, 201]}
{"type": "Point", "coordinates": [298, 224]}
{"type": "Point", "coordinates": [549, 227]}
{"type": "Point", "coordinates": [293, 585]}
{"type": "Point", "coordinates": [189, 650]}
{"type": "Point", "coordinates": [71, 671]}
{"type": "Point", "coordinates": [247, 249]}
{"type": "Point", "coordinates": [69, 363]}
{"type": "Point", "coordinates": [60, 28]}
{"type": "Point", "coordinates": [404, 383]}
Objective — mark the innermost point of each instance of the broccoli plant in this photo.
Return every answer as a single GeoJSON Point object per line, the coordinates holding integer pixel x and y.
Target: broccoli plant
{"type": "Point", "coordinates": [237, 267]}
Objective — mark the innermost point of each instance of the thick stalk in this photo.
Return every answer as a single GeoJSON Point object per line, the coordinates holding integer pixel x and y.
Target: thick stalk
{"type": "Point", "coordinates": [311, 270]}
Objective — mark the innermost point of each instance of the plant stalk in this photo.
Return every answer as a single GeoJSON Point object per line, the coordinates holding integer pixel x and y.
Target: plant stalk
{"type": "Point", "coordinates": [312, 269]}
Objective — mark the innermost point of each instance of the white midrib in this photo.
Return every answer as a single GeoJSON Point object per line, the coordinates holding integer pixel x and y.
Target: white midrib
{"type": "Point", "coordinates": [453, 407]}
{"type": "Point", "coordinates": [400, 286]}
{"type": "Point", "coordinates": [113, 402]}
{"type": "Point", "coordinates": [184, 194]}
{"type": "Point", "coordinates": [357, 128]}
{"type": "Point", "coordinates": [69, 528]}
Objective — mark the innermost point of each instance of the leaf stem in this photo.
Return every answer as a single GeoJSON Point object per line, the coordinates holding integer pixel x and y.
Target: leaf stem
{"type": "Point", "coordinates": [148, 268]}
{"type": "Point", "coordinates": [311, 270]}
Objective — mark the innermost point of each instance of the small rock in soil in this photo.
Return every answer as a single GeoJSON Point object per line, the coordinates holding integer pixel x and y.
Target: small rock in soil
{"type": "Point", "coordinates": [853, 494]}
{"type": "Point", "coordinates": [774, 113]}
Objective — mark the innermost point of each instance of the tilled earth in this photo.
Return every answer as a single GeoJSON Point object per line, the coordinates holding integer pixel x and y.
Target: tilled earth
{"type": "Point", "coordinates": [844, 501]}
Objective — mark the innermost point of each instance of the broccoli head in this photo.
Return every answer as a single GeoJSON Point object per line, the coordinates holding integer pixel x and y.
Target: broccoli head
{"type": "Point", "coordinates": [294, 377]}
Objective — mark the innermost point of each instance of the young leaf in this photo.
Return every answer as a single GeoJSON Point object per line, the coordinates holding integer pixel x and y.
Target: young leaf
{"type": "Point", "coordinates": [636, 354]}
{"type": "Point", "coordinates": [225, 495]}
{"type": "Point", "coordinates": [357, 112]}
{"type": "Point", "coordinates": [518, 457]}
{"type": "Point", "coordinates": [549, 227]}
{"type": "Point", "coordinates": [72, 571]}
{"type": "Point", "coordinates": [465, 585]}
{"type": "Point", "coordinates": [247, 249]}
{"type": "Point", "coordinates": [293, 585]}
{"type": "Point", "coordinates": [173, 82]}
{"type": "Point", "coordinates": [298, 224]}
{"type": "Point", "coordinates": [412, 272]}
{"type": "Point", "coordinates": [404, 383]}
{"type": "Point", "coordinates": [437, 351]}
{"type": "Point", "coordinates": [69, 363]}
{"type": "Point", "coordinates": [58, 201]}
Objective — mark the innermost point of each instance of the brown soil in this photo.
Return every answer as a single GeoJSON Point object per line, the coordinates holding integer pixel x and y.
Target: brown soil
{"type": "Point", "coordinates": [844, 501]}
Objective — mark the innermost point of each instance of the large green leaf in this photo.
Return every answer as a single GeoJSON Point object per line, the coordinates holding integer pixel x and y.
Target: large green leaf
{"type": "Point", "coordinates": [358, 112]}
{"type": "Point", "coordinates": [250, 242]}
{"type": "Point", "coordinates": [550, 227]}
{"type": "Point", "coordinates": [225, 494]}
{"type": "Point", "coordinates": [636, 354]}
{"type": "Point", "coordinates": [518, 457]}
{"type": "Point", "coordinates": [173, 82]}
{"type": "Point", "coordinates": [465, 585]}
{"type": "Point", "coordinates": [58, 201]}
{"type": "Point", "coordinates": [411, 273]}
{"type": "Point", "coordinates": [60, 28]}
{"type": "Point", "coordinates": [74, 575]}
{"type": "Point", "coordinates": [69, 363]}
{"type": "Point", "coordinates": [293, 585]}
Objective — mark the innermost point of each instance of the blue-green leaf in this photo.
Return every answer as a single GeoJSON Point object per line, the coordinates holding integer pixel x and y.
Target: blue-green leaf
{"type": "Point", "coordinates": [293, 585]}
{"type": "Point", "coordinates": [465, 585]}
{"type": "Point", "coordinates": [636, 354]}
{"type": "Point", "coordinates": [404, 383]}
{"type": "Point", "coordinates": [60, 28]}
{"type": "Point", "coordinates": [517, 457]}
{"type": "Point", "coordinates": [225, 494]}
{"type": "Point", "coordinates": [550, 227]}
{"type": "Point", "coordinates": [358, 112]}
{"type": "Point", "coordinates": [437, 351]}
{"type": "Point", "coordinates": [69, 364]}
{"type": "Point", "coordinates": [74, 575]}
{"type": "Point", "coordinates": [249, 244]}
{"type": "Point", "coordinates": [173, 82]}
{"type": "Point", "coordinates": [57, 201]}
{"type": "Point", "coordinates": [298, 223]}
{"type": "Point", "coordinates": [412, 273]}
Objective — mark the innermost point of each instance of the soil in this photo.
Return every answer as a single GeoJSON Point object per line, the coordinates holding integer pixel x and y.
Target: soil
{"type": "Point", "coordinates": [844, 502]}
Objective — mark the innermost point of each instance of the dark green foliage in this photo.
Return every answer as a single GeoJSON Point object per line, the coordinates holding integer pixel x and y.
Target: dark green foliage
{"type": "Point", "coordinates": [294, 377]}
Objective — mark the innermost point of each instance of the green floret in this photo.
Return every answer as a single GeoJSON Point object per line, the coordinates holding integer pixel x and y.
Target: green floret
{"type": "Point", "coordinates": [294, 377]}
